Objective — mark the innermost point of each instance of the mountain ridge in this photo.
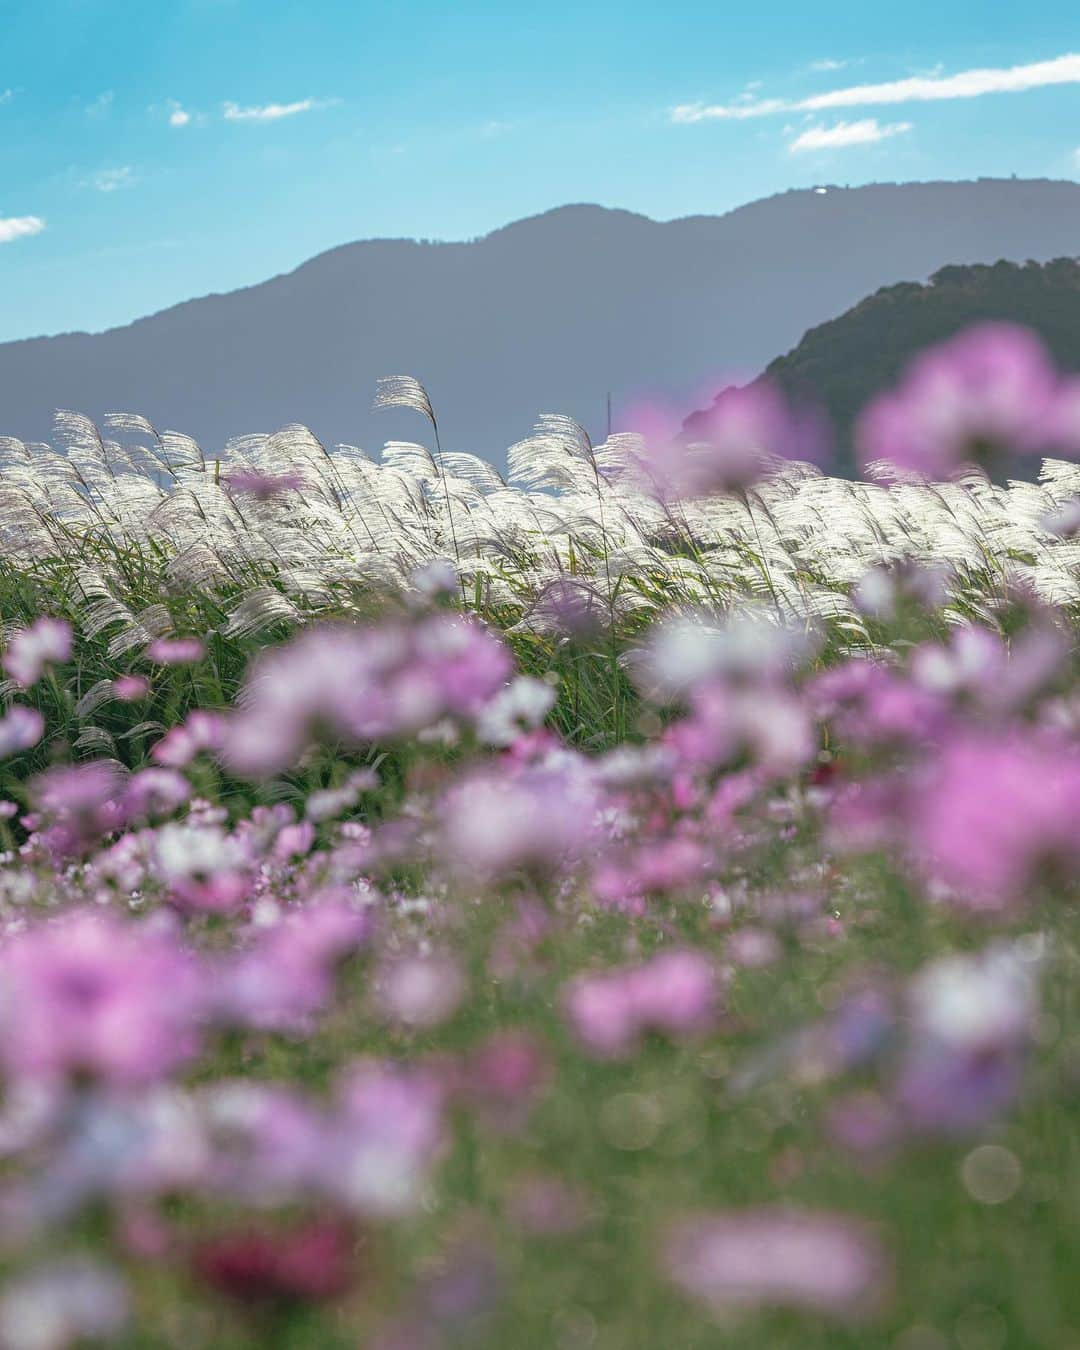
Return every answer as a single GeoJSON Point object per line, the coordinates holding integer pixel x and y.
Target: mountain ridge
{"type": "Point", "coordinates": [548, 313]}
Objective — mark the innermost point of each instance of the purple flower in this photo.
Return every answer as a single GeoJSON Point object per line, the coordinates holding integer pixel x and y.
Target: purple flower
{"type": "Point", "coordinates": [89, 994]}
{"type": "Point", "coordinates": [824, 1262]}
{"type": "Point", "coordinates": [44, 643]}
{"type": "Point", "coordinates": [260, 485]}
{"type": "Point", "coordinates": [62, 1304]}
{"type": "Point", "coordinates": [389, 1133]}
{"type": "Point", "coordinates": [20, 729]}
{"type": "Point", "coordinates": [972, 1021]}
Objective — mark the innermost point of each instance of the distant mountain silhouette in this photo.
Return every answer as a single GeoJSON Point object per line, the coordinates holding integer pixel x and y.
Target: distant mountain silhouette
{"type": "Point", "coordinates": [548, 314]}
{"type": "Point", "coordinates": [841, 364]}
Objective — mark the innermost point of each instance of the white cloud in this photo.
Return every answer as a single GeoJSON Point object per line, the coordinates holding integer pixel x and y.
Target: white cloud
{"type": "Point", "coordinates": [19, 227]}
{"type": "Point", "coordinates": [178, 116]}
{"type": "Point", "coordinates": [741, 108]}
{"type": "Point", "coordinates": [828, 64]}
{"type": "Point", "coordinates": [101, 104]}
{"type": "Point", "coordinates": [916, 89]}
{"type": "Point", "coordinates": [867, 132]}
{"type": "Point", "coordinates": [108, 180]}
{"type": "Point", "coordinates": [272, 112]}
{"type": "Point", "coordinates": [6, 95]}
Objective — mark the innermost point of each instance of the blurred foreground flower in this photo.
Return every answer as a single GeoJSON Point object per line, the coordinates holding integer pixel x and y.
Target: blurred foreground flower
{"type": "Point", "coordinates": [786, 1257]}
{"type": "Point", "coordinates": [63, 1304]}
{"type": "Point", "coordinates": [310, 1263]}
{"type": "Point", "coordinates": [980, 397]}
{"type": "Point", "coordinates": [90, 995]}
{"type": "Point", "coordinates": [31, 650]}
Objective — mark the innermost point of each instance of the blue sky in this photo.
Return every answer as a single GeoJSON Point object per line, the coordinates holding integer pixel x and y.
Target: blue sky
{"type": "Point", "coordinates": [154, 150]}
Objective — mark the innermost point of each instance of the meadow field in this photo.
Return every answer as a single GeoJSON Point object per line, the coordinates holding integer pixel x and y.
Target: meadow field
{"type": "Point", "coordinates": [626, 904]}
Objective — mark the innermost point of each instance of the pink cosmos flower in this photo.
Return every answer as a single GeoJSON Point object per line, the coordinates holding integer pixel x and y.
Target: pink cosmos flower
{"type": "Point", "coordinates": [286, 977]}
{"type": "Point", "coordinates": [731, 446]}
{"type": "Point", "coordinates": [824, 1262]}
{"type": "Point", "coordinates": [203, 731]}
{"type": "Point", "coordinates": [547, 1206]}
{"type": "Point", "coordinates": [76, 807]}
{"type": "Point", "coordinates": [873, 706]}
{"type": "Point", "coordinates": [131, 688]}
{"type": "Point", "coordinates": [202, 868]}
{"type": "Point", "coordinates": [154, 792]}
{"type": "Point", "coordinates": [270, 1145]}
{"type": "Point", "coordinates": [46, 642]}
{"type": "Point", "coordinates": [534, 817]}
{"type": "Point", "coordinates": [181, 651]}
{"type": "Point", "coordinates": [505, 1077]}
{"type": "Point", "coordinates": [389, 1133]}
{"type": "Point", "coordinates": [419, 991]}
{"type": "Point", "coordinates": [89, 994]}
{"type": "Point", "coordinates": [990, 392]}
{"type": "Point", "coordinates": [362, 685]}
{"type": "Point", "coordinates": [997, 813]}
{"type": "Point", "coordinates": [676, 993]}
{"type": "Point", "coordinates": [260, 485]}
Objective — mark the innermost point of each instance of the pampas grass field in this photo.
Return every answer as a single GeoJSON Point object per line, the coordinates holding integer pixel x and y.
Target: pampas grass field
{"type": "Point", "coordinates": [573, 909]}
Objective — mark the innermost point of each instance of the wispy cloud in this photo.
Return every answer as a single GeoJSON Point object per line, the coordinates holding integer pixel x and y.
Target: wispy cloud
{"type": "Point", "coordinates": [6, 95]}
{"type": "Point", "coordinates": [273, 112]}
{"type": "Point", "coordinates": [19, 227]}
{"type": "Point", "coordinates": [109, 180]}
{"type": "Point", "coordinates": [916, 89]}
{"type": "Point", "coordinates": [178, 114]}
{"type": "Point", "coordinates": [838, 137]}
{"type": "Point", "coordinates": [101, 105]}
{"type": "Point", "coordinates": [828, 64]}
